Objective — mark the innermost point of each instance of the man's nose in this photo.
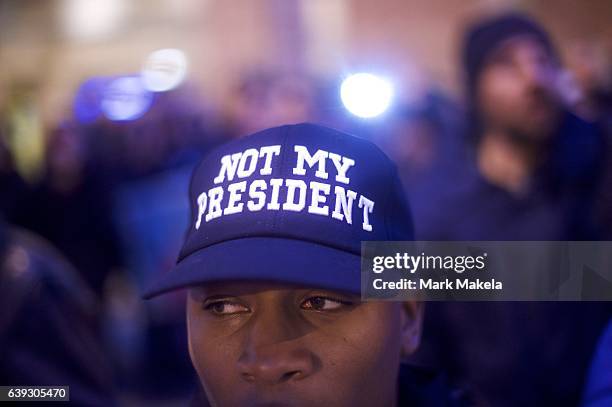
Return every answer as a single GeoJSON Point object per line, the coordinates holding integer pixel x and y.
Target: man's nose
{"type": "Point", "coordinates": [535, 71]}
{"type": "Point", "coordinates": [274, 353]}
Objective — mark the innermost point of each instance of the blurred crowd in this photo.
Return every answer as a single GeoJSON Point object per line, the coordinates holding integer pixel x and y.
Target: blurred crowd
{"type": "Point", "coordinates": [525, 155]}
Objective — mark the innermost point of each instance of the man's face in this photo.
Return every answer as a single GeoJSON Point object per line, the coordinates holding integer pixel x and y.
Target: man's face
{"type": "Point", "coordinates": [265, 344]}
{"type": "Point", "coordinates": [517, 90]}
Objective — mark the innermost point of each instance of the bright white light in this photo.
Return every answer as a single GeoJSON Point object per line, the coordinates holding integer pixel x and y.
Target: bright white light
{"type": "Point", "coordinates": [126, 98]}
{"type": "Point", "coordinates": [164, 70]}
{"type": "Point", "coordinates": [366, 95]}
{"type": "Point", "coordinates": [91, 19]}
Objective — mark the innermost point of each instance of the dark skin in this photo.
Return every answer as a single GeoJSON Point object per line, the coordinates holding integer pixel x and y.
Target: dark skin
{"type": "Point", "coordinates": [268, 344]}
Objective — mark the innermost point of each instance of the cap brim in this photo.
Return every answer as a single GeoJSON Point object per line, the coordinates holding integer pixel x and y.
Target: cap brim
{"type": "Point", "coordinates": [264, 259]}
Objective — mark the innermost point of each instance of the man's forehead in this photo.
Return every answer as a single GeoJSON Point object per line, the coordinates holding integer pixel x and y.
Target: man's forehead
{"type": "Point", "coordinates": [523, 42]}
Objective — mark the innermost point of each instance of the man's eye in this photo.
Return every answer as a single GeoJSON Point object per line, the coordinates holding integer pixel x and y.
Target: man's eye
{"type": "Point", "coordinates": [502, 59]}
{"type": "Point", "coordinates": [320, 303]}
{"type": "Point", "coordinates": [225, 308]}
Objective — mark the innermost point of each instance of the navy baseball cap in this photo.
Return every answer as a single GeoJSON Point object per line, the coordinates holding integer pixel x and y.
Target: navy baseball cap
{"type": "Point", "coordinates": [289, 204]}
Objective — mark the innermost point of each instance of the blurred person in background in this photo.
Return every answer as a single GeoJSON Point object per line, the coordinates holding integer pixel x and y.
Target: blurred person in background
{"type": "Point", "coordinates": [421, 138]}
{"type": "Point", "coordinates": [174, 131]}
{"type": "Point", "coordinates": [70, 207]}
{"type": "Point", "coordinates": [266, 98]}
{"type": "Point", "coordinates": [13, 189]}
{"type": "Point", "coordinates": [529, 170]}
{"type": "Point", "coordinates": [48, 332]}
{"type": "Point", "coordinates": [149, 159]}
